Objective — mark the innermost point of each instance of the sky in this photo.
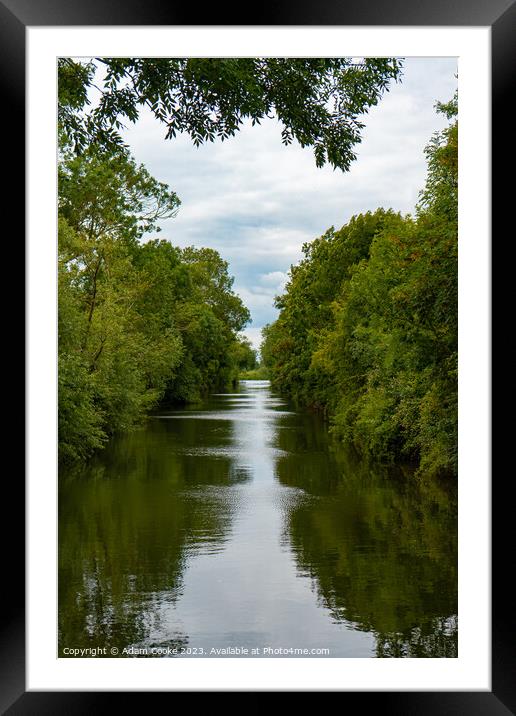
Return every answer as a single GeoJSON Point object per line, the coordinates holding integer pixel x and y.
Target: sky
{"type": "Point", "coordinates": [257, 202]}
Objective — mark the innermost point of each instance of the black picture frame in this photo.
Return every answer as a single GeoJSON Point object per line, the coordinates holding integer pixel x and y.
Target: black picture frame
{"type": "Point", "coordinates": [500, 16]}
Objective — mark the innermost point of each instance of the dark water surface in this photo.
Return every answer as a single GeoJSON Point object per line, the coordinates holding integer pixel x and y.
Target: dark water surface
{"type": "Point", "coordinates": [238, 524]}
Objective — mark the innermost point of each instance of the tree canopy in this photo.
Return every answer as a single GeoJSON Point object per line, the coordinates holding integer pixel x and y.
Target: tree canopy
{"type": "Point", "coordinates": [142, 322]}
{"type": "Point", "coordinates": [318, 101]}
{"type": "Point", "coordinates": [367, 329]}
{"type": "Point", "coordinates": [139, 321]}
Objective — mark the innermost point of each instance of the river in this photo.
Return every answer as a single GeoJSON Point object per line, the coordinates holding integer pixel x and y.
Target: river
{"type": "Point", "coordinates": [238, 528]}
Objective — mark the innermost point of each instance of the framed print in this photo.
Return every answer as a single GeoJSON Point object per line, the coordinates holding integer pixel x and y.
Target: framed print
{"type": "Point", "coordinates": [229, 532]}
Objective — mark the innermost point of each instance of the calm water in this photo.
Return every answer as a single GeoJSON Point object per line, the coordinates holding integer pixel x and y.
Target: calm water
{"type": "Point", "coordinates": [238, 524]}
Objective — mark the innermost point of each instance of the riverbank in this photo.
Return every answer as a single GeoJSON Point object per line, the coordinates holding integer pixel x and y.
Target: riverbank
{"type": "Point", "coordinates": [260, 373]}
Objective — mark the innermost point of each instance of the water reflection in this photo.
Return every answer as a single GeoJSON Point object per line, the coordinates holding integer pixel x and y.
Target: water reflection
{"type": "Point", "coordinates": [379, 546]}
{"type": "Point", "coordinates": [128, 525]}
{"type": "Point", "coordinates": [235, 524]}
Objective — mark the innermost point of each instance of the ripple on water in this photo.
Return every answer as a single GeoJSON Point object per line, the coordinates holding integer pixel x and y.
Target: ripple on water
{"type": "Point", "coordinates": [234, 415]}
{"type": "Point", "coordinates": [227, 452]}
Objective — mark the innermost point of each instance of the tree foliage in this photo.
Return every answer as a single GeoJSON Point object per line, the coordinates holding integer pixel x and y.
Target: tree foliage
{"type": "Point", "coordinates": [113, 196]}
{"type": "Point", "coordinates": [139, 322]}
{"type": "Point", "coordinates": [367, 329]}
{"type": "Point", "coordinates": [318, 101]}
{"type": "Point", "coordinates": [142, 321]}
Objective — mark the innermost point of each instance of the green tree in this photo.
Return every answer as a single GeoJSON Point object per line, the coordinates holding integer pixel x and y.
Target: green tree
{"type": "Point", "coordinates": [318, 101]}
{"type": "Point", "coordinates": [245, 356]}
{"type": "Point", "coordinates": [367, 329]}
{"type": "Point", "coordinates": [213, 286]}
{"type": "Point", "coordinates": [307, 317]}
{"type": "Point", "coordinates": [114, 365]}
{"type": "Point", "coordinates": [209, 319]}
{"type": "Point", "coordinates": [139, 322]}
{"type": "Point", "coordinates": [112, 195]}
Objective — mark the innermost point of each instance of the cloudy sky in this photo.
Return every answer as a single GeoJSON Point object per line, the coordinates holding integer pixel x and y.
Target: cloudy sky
{"type": "Point", "coordinates": [256, 202]}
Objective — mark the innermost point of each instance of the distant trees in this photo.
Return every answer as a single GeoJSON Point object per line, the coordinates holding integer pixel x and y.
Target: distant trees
{"type": "Point", "coordinates": [245, 356]}
{"type": "Point", "coordinates": [367, 329]}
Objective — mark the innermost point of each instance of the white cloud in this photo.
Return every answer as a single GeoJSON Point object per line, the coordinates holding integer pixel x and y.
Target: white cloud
{"type": "Point", "coordinates": [254, 334]}
{"type": "Point", "coordinates": [277, 279]}
{"type": "Point", "coordinates": [257, 202]}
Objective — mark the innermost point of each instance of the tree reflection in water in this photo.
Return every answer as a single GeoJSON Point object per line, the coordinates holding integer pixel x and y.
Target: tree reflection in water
{"type": "Point", "coordinates": [379, 545]}
{"type": "Point", "coordinates": [246, 524]}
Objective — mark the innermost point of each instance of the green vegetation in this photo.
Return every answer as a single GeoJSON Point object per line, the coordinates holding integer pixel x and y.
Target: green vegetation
{"type": "Point", "coordinates": [258, 373]}
{"type": "Point", "coordinates": [367, 330]}
{"type": "Point", "coordinates": [143, 322]}
{"type": "Point", "coordinates": [317, 100]}
{"type": "Point", "coordinates": [138, 322]}
{"type": "Point", "coordinates": [370, 538]}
